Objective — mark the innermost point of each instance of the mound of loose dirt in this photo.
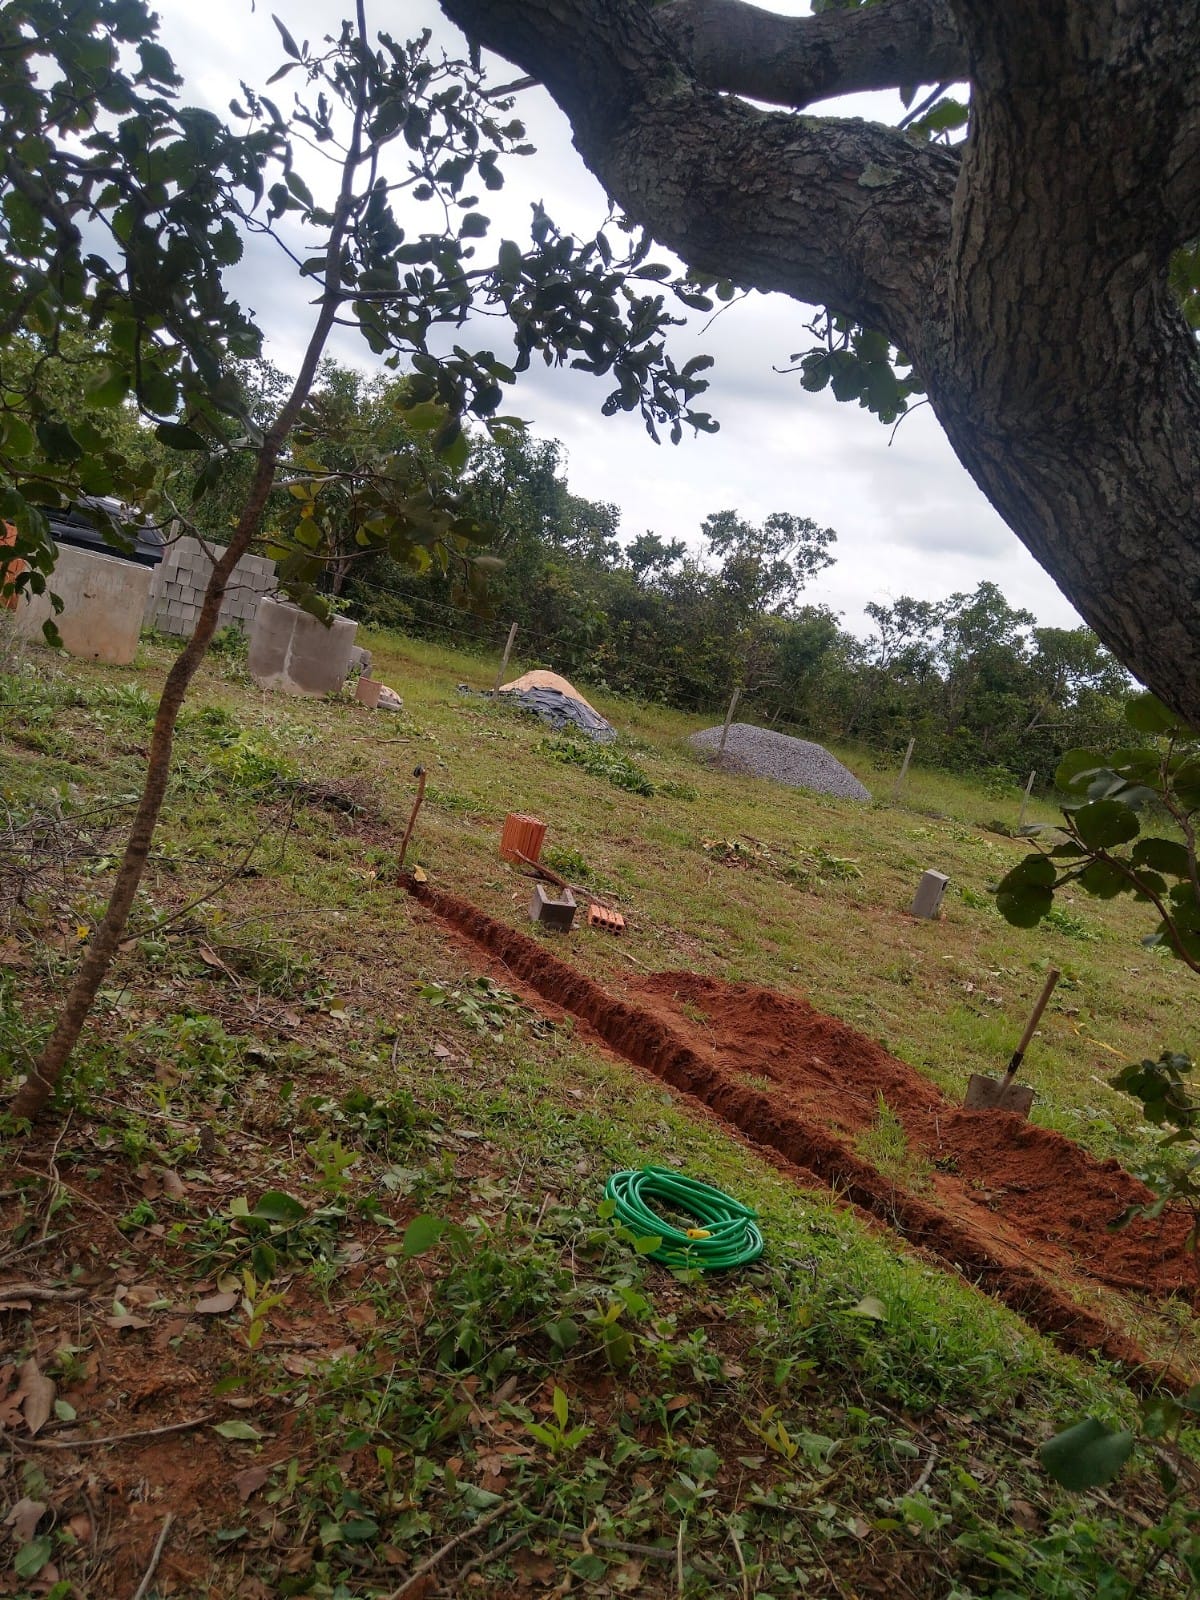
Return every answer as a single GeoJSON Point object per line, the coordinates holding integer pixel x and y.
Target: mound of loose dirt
{"type": "Point", "coordinates": [1019, 1209]}
{"type": "Point", "coordinates": [989, 1168]}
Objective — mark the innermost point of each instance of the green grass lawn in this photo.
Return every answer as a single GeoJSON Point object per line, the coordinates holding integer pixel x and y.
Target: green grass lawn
{"type": "Point", "coordinates": [844, 1417]}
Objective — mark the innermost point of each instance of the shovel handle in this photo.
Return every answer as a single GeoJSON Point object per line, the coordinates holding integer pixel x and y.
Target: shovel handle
{"type": "Point", "coordinates": [1035, 1016]}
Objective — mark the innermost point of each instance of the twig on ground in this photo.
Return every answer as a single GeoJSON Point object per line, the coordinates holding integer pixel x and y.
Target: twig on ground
{"type": "Point", "coordinates": [120, 1438]}
{"type": "Point", "coordinates": [649, 1552]}
{"type": "Point", "coordinates": [438, 1556]}
{"type": "Point", "coordinates": [172, 917]}
{"type": "Point", "coordinates": [741, 1560]}
{"type": "Point", "coordinates": [486, 1557]}
{"type": "Point", "coordinates": [926, 1472]}
{"type": "Point", "coordinates": [35, 1291]}
{"type": "Point", "coordinates": [144, 1586]}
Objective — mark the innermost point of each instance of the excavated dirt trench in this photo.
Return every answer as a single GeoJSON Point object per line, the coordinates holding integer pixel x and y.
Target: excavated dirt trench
{"type": "Point", "coordinates": [1018, 1209]}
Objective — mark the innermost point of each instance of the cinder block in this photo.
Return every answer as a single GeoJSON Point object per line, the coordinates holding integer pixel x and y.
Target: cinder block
{"type": "Point", "coordinates": [552, 911]}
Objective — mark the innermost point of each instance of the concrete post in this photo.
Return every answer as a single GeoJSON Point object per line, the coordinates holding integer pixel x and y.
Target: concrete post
{"type": "Point", "coordinates": [927, 902]}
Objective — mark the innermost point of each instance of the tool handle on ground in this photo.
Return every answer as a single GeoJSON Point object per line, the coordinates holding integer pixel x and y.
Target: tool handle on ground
{"type": "Point", "coordinates": [420, 775]}
{"type": "Point", "coordinates": [1043, 1001]}
{"type": "Point", "coordinates": [542, 871]}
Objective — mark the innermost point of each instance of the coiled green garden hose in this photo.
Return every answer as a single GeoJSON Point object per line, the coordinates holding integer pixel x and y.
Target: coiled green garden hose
{"type": "Point", "coordinates": [726, 1234]}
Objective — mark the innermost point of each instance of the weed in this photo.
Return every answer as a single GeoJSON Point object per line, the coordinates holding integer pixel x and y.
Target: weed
{"type": "Point", "coordinates": [332, 1161]}
{"type": "Point", "coordinates": [258, 1305]}
{"type": "Point", "coordinates": [139, 1216]}
{"type": "Point", "coordinates": [385, 1125]}
{"type": "Point", "coordinates": [1071, 925]}
{"type": "Point", "coordinates": [230, 646]}
{"type": "Point", "coordinates": [571, 864]}
{"type": "Point", "coordinates": [279, 1229]}
{"type": "Point", "coordinates": [604, 761]}
{"type": "Point", "coordinates": [481, 1004]}
{"type": "Point", "coordinates": [555, 1435]}
{"type": "Point", "coordinates": [885, 1145]}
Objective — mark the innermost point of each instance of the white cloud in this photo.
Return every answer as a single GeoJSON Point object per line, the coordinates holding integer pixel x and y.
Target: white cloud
{"type": "Point", "coordinates": [908, 518]}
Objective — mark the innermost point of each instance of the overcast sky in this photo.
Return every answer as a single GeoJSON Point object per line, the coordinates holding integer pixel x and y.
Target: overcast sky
{"type": "Point", "coordinates": [908, 518]}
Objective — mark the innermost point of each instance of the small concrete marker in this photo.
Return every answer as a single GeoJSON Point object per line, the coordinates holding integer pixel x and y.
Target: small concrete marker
{"type": "Point", "coordinates": [927, 902]}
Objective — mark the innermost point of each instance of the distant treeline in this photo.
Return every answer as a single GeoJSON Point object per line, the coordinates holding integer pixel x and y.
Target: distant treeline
{"type": "Point", "coordinates": [971, 678]}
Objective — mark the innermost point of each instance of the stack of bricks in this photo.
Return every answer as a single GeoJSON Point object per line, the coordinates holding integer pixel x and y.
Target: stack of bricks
{"type": "Point", "coordinates": [177, 588]}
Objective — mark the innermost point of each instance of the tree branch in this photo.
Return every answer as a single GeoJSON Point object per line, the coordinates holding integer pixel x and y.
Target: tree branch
{"type": "Point", "coordinates": [794, 61]}
{"type": "Point", "coordinates": [842, 213]}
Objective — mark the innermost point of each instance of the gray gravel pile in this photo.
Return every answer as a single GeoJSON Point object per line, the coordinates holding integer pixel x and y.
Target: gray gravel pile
{"type": "Point", "coordinates": [763, 754]}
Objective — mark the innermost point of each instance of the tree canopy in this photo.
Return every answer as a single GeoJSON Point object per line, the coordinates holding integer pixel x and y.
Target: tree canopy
{"type": "Point", "coordinates": [1039, 281]}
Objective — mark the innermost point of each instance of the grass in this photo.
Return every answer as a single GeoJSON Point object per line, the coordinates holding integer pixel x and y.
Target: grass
{"type": "Point", "coordinates": [285, 1079]}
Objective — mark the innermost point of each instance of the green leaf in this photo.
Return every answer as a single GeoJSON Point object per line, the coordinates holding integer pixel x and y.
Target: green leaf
{"type": "Point", "coordinates": [590, 1568]}
{"type": "Point", "coordinates": [107, 388]}
{"type": "Point", "coordinates": [561, 1407]}
{"type": "Point", "coordinates": [563, 1333]}
{"type": "Point", "coordinates": [58, 442]}
{"type": "Point", "coordinates": [18, 437]}
{"type": "Point", "coordinates": [32, 1557]}
{"type": "Point", "coordinates": [357, 1530]}
{"type": "Point", "coordinates": [1147, 714]}
{"type": "Point", "coordinates": [509, 261]}
{"type": "Point", "coordinates": [236, 1429]}
{"type": "Point", "coordinates": [275, 1206]}
{"type": "Point", "coordinates": [177, 436]}
{"type": "Point", "coordinates": [1101, 824]}
{"type": "Point", "coordinates": [1024, 907]}
{"type": "Point", "coordinates": [1161, 855]}
{"type": "Point", "coordinates": [1087, 1455]}
{"type": "Point", "coordinates": [1104, 881]}
{"type": "Point", "coordinates": [648, 1244]}
{"type": "Point", "coordinates": [289, 44]}
{"type": "Point", "coordinates": [425, 417]}
{"type": "Point", "coordinates": [481, 1499]}
{"type": "Point", "coordinates": [1076, 767]}
{"type": "Point", "coordinates": [1031, 872]}
{"type": "Point", "coordinates": [421, 1235]}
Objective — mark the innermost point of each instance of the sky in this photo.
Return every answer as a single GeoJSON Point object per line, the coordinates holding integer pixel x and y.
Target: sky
{"type": "Point", "coordinates": [908, 518]}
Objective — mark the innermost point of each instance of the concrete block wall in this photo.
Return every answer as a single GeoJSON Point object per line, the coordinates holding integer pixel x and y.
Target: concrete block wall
{"type": "Point", "coordinates": [181, 578]}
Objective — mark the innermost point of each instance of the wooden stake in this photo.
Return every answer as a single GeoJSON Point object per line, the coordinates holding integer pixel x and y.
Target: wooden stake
{"type": "Point", "coordinates": [512, 634]}
{"type": "Point", "coordinates": [728, 719]}
{"type": "Point", "coordinates": [903, 771]}
{"type": "Point", "coordinates": [1025, 801]}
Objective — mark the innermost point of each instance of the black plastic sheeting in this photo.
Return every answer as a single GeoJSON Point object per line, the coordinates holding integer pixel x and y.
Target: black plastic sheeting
{"type": "Point", "coordinates": [558, 709]}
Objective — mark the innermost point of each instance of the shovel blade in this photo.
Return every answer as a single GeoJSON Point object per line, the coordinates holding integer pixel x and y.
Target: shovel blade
{"type": "Point", "coordinates": [995, 1094]}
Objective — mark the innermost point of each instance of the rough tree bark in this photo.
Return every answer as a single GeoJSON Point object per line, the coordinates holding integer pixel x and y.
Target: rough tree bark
{"type": "Point", "coordinates": [1024, 273]}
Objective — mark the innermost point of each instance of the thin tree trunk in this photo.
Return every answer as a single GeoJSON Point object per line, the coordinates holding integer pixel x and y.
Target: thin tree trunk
{"type": "Point", "coordinates": [33, 1095]}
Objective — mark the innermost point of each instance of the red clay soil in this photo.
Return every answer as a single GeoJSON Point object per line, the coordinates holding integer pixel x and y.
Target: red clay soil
{"type": "Point", "coordinates": [1018, 1209]}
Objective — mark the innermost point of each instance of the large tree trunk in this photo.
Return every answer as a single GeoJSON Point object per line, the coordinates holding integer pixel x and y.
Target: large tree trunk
{"type": "Point", "coordinates": [1025, 274]}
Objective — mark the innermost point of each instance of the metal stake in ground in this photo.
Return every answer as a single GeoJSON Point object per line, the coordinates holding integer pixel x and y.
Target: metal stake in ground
{"type": "Point", "coordinates": [419, 775]}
